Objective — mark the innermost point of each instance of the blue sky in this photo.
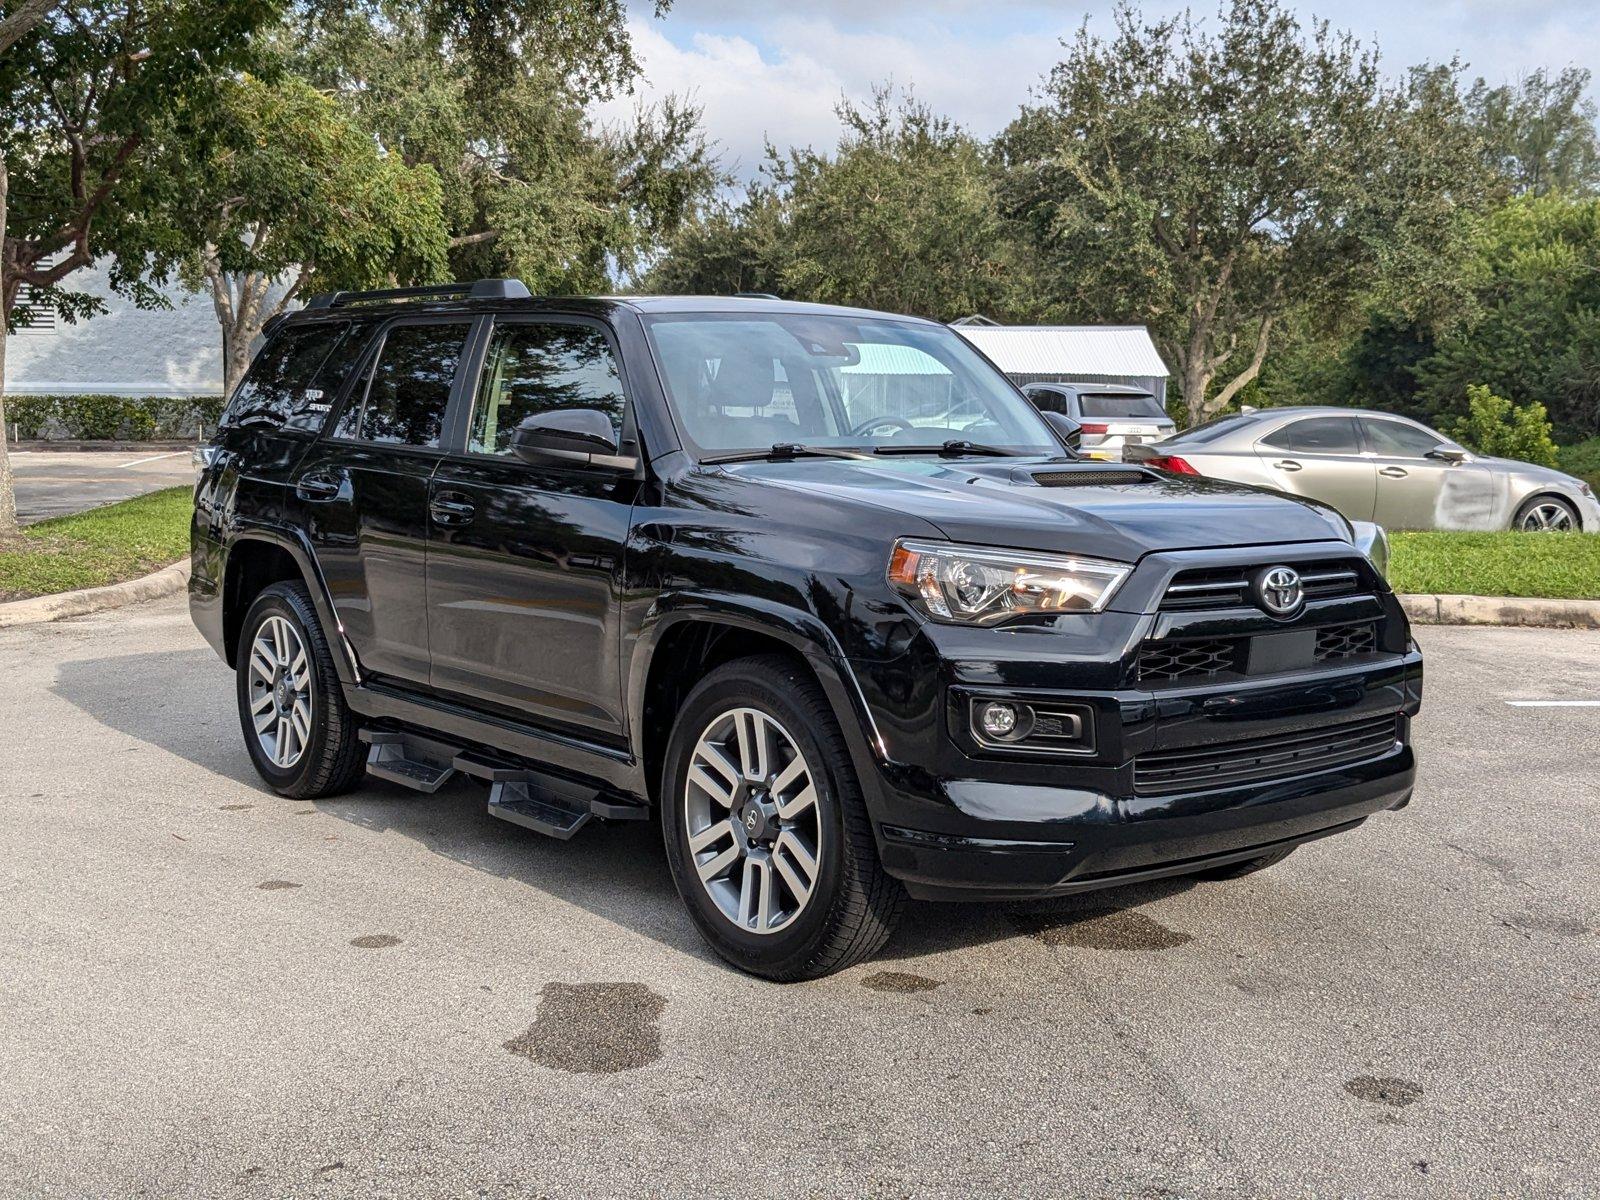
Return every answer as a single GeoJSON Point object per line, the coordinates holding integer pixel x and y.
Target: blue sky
{"type": "Point", "coordinates": [777, 70]}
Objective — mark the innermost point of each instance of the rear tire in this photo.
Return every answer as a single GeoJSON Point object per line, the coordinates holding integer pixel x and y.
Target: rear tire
{"type": "Point", "coordinates": [758, 778]}
{"type": "Point", "coordinates": [1249, 866]}
{"type": "Point", "coordinates": [302, 737]}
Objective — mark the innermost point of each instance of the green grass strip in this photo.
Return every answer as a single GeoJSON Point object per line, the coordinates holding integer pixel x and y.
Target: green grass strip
{"type": "Point", "coordinates": [104, 545]}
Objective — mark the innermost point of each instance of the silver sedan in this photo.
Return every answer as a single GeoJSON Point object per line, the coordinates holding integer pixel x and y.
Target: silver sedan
{"type": "Point", "coordinates": [1375, 466]}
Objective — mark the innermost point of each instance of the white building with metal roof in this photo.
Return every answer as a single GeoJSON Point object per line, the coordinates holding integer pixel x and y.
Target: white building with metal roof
{"type": "Point", "coordinates": [1066, 353]}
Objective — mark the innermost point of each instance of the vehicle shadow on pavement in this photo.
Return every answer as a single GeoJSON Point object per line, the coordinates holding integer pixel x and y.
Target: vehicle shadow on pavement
{"type": "Point", "coordinates": [184, 706]}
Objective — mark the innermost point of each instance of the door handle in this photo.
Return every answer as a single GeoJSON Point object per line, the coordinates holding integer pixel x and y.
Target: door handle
{"type": "Point", "coordinates": [320, 485]}
{"type": "Point", "coordinates": [1287, 464]}
{"type": "Point", "coordinates": [451, 509]}
{"type": "Point", "coordinates": [1394, 472]}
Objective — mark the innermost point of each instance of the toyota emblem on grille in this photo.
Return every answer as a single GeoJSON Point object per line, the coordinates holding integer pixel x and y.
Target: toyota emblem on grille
{"type": "Point", "coordinates": [1279, 592]}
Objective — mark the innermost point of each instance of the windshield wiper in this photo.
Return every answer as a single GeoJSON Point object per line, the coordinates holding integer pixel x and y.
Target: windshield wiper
{"type": "Point", "coordinates": [784, 450]}
{"type": "Point", "coordinates": [951, 448]}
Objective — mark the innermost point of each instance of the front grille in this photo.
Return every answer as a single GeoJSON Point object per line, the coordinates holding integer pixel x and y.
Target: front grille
{"type": "Point", "coordinates": [1229, 587]}
{"type": "Point", "coordinates": [1262, 760]}
{"type": "Point", "coordinates": [1185, 658]}
{"type": "Point", "coordinates": [1346, 641]}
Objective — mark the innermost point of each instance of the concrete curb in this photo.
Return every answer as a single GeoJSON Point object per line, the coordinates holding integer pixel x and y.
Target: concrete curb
{"type": "Point", "coordinates": [39, 609]}
{"type": "Point", "coordinates": [1502, 610]}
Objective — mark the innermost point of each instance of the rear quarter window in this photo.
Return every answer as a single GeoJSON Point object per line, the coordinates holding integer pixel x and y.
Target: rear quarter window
{"type": "Point", "coordinates": [295, 378]}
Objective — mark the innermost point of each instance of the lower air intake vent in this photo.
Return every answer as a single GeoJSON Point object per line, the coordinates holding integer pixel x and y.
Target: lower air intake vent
{"type": "Point", "coordinates": [1262, 760]}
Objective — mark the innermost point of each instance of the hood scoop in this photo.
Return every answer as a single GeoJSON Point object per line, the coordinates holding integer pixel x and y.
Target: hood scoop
{"type": "Point", "coordinates": [1085, 476]}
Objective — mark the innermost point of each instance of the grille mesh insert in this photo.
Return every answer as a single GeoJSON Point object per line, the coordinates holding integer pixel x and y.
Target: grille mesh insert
{"type": "Point", "coordinates": [1185, 659]}
{"type": "Point", "coordinates": [1346, 641]}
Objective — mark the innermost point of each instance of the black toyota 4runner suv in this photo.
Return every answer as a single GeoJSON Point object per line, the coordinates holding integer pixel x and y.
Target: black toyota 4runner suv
{"type": "Point", "coordinates": [816, 586]}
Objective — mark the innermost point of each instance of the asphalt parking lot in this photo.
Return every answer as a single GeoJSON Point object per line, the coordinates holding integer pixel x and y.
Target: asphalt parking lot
{"type": "Point", "coordinates": [53, 483]}
{"type": "Point", "coordinates": [208, 990]}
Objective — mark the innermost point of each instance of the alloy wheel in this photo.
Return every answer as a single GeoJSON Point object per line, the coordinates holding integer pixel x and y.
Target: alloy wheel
{"type": "Point", "coordinates": [1548, 517]}
{"type": "Point", "coordinates": [753, 821]}
{"type": "Point", "coordinates": [280, 692]}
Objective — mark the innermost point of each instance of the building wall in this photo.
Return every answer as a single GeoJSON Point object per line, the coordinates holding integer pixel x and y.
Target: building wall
{"type": "Point", "coordinates": [126, 351]}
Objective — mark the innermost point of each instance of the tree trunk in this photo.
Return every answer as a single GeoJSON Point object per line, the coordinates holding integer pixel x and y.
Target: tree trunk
{"type": "Point", "coordinates": [8, 497]}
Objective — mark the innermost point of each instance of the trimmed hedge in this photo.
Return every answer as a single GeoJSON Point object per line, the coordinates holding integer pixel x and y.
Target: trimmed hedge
{"type": "Point", "coordinates": [104, 418]}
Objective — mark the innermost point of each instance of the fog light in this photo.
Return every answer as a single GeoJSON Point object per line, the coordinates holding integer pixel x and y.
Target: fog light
{"type": "Point", "coordinates": [998, 720]}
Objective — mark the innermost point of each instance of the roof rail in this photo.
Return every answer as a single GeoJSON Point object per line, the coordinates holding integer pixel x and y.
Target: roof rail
{"type": "Point", "coordinates": [756, 296]}
{"type": "Point", "coordinates": [482, 289]}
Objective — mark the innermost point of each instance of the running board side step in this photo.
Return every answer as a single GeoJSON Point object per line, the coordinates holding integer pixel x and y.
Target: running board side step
{"type": "Point", "coordinates": [546, 804]}
{"type": "Point", "coordinates": [388, 759]}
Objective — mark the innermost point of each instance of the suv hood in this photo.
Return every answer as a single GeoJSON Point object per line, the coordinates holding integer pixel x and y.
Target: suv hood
{"type": "Point", "coordinates": [996, 502]}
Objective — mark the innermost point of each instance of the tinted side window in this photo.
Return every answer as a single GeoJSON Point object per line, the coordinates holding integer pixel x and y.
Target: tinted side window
{"type": "Point", "coordinates": [536, 368]}
{"type": "Point", "coordinates": [295, 377]}
{"type": "Point", "coordinates": [1317, 435]}
{"type": "Point", "coordinates": [408, 386]}
{"type": "Point", "coordinates": [1393, 438]}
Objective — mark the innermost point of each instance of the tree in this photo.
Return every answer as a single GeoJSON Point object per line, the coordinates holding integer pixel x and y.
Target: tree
{"type": "Point", "coordinates": [1534, 332]}
{"type": "Point", "coordinates": [1540, 133]}
{"type": "Point", "coordinates": [80, 83]}
{"type": "Point", "coordinates": [270, 193]}
{"type": "Point", "coordinates": [1494, 426]}
{"type": "Point", "coordinates": [532, 188]}
{"type": "Point", "coordinates": [1211, 183]}
{"type": "Point", "coordinates": [902, 215]}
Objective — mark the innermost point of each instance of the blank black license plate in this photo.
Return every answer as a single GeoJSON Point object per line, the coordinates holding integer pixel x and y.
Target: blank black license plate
{"type": "Point", "coordinates": [1274, 652]}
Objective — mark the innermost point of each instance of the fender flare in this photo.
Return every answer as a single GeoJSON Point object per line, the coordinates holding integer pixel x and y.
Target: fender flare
{"type": "Point", "coordinates": [298, 547]}
{"type": "Point", "coordinates": [801, 631]}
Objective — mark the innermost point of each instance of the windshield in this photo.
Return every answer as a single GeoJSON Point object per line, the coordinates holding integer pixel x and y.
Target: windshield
{"type": "Point", "coordinates": [1120, 404]}
{"type": "Point", "coordinates": [743, 382]}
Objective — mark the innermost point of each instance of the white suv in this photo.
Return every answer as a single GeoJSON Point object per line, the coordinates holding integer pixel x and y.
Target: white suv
{"type": "Point", "coordinates": [1110, 416]}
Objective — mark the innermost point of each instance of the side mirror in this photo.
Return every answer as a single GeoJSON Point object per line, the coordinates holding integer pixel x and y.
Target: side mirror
{"type": "Point", "coordinates": [569, 435]}
{"type": "Point", "coordinates": [1068, 432]}
{"type": "Point", "coordinates": [1447, 454]}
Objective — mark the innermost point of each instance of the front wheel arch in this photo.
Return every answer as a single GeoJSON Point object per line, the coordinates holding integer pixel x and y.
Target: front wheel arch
{"type": "Point", "coordinates": [1540, 499]}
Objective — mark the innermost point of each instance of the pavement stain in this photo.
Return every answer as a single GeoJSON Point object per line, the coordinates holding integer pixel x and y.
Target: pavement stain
{"type": "Point", "coordinates": [1569, 927]}
{"type": "Point", "coordinates": [593, 1028]}
{"type": "Point", "coordinates": [374, 941]}
{"type": "Point", "coordinates": [1382, 1089]}
{"type": "Point", "coordinates": [899, 981]}
{"type": "Point", "coordinates": [276, 885]}
{"type": "Point", "coordinates": [233, 807]}
{"type": "Point", "coordinates": [1099, 929]}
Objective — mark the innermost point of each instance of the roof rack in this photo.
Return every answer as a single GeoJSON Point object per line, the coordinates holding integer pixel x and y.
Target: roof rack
{"type": "Point", "coordinates": [756, 296]}
{"type": "Point", "coordinates": [482, 289]}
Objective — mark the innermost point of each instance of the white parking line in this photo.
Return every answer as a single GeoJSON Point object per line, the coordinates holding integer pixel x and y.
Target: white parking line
{"type": "Point", "coordinates": [1554, 703]}
{"type": "Point", "coordinates": [153, 458]}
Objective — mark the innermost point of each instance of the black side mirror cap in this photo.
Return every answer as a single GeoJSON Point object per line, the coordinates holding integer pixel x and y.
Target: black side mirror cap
{"type": "Point", "coordinates": [1068, 432]}
{"type": "Point", "coordinates": [582, 436]}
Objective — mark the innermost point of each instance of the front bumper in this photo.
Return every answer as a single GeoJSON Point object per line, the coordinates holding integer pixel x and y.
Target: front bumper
{"type": "Point", "coordinates": [958, 821]}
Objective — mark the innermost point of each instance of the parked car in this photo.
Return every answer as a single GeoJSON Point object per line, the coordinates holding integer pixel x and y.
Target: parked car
{"type": "Point", "coordinates": [1375, 466]}
{"type": "Point", "coordinates": [1110, 417]}
{"type": "Point", "coordinates": [682, 558]}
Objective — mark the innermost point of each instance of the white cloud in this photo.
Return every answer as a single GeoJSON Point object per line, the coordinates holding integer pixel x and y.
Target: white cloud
{"type": "Point", "coordinates": [770, 71]}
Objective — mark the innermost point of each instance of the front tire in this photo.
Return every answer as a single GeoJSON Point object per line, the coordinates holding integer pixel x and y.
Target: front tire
{"type": "Point", "coordinates": [301, 735]}
{"type": "Point", "coordinates": [766, 832]}
{"type": "Point", "coordinates": [1546, 514]}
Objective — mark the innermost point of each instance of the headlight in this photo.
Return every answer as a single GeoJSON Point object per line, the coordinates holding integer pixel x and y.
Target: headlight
{"type": "Point", "coordinates": [973, 585]}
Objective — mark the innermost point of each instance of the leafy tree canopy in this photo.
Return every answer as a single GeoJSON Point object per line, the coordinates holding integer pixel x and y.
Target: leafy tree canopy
{"type": "Point", "coordinates": [270, 193]}
{"type": "Point", "coordinates": [902, 216]}
{"type": "Point", "coordinates": [1539, 133]}
{"type": "Point", "coordinates": [1208, 181]}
